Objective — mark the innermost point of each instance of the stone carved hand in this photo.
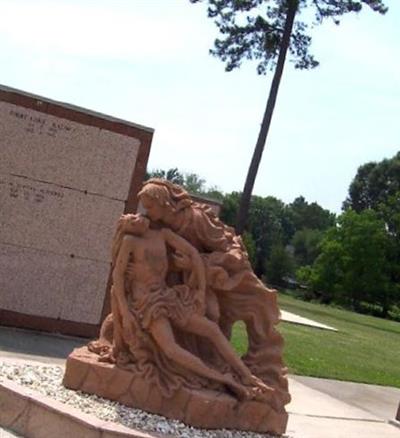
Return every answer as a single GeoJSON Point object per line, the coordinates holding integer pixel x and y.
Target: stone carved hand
{"type": "Point", "coordinates": [182, 261]}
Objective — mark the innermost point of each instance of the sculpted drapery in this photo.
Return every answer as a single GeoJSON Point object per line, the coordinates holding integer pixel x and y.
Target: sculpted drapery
{"type": "Point", "coordinates": [234, 293]}
{"type": "Point", "coordinates": [181, 278]}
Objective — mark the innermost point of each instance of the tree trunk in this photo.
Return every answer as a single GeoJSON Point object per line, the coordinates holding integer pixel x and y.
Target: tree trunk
{"type": "Point", "coordinates": [269, 109]}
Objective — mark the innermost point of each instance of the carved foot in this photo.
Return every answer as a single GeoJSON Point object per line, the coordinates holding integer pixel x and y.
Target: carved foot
{"type": "Point", "coordinates": [241, 392]}
{"type": "Point", "coordinates": [256, 382]}
{"type": "Point", "coordinates": [258, 390]}
{"type": "Point", "coordinates": [99, 347]}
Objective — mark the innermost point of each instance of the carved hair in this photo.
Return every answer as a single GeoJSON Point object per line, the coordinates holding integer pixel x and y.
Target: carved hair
{"type": "Point", "coordinates": [120, 232]}
{"type": "Point", "coordinates": [166, 194]}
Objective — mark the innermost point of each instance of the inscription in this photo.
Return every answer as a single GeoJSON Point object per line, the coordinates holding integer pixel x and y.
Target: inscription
{"type": "Point", "coordinates": [40, 125]}
{"type": "Point", "coordinates": [27, 192]}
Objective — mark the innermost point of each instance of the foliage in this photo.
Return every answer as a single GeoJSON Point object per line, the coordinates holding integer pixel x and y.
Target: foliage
{"type": "Point", "coordinates": [172, 175]}
{"type": "Point", "coordinates": [353, 265]}
{"type": "Point", "coordinates": [390, 212]}
{"type": "Point", "coordinates": [253, 29]}
{"type": "Point", "coordinates": [250, 245]}
{"type": "Point", "coordinates": [311, 216]}
{"type": "Point", "coordinates": [308, 221]}
{"type": "Point", "coordinates": [192, 182]}
{"type": "Point", "coordinates": [374, 185]}
{"type": "Point", "coordinates": [303, 274]}
{"type": "Point", "coordinates": [265, 225]}
{"type": "Point", "coordinates": [230, 208]}
{"type": "Point", "coordinates": [272, 223]}
{"type": "Point", "coordinates": [214, 193]}
{"type": "Point", "coordinates": [306, 245]}
{"type": "Point", "coordinates": [280, 264]}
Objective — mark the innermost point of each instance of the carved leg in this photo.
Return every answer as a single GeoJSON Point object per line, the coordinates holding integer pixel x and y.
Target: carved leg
{"type": "Point", "coordinates": [203, 327]}
{"type": "Point", "coordinates": [226, 327]}
{"type": "Point", "coordinates": [162, 333]}
{"type": "Point", "coordinates": [212, 306]}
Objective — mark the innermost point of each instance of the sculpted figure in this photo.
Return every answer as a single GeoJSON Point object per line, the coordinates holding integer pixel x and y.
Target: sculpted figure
{"type": "Point", "coordinates": [181, 278]}
{"type": "Point", "coordinates": [142, 298]}
{"type": "Point", "coordinates": [233, 291]}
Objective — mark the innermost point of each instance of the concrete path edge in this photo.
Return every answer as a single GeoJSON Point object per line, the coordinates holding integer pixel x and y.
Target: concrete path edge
{"type": "Point", "coordinates": [30, 413]}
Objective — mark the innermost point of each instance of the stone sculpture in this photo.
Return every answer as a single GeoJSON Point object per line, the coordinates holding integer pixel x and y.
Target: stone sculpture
{"type": "Point", "coordinates": [181, 278]}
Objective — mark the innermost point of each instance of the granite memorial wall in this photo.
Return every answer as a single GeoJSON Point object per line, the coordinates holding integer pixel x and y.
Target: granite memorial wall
{"type": "Point", "coordinates": [66, 175]}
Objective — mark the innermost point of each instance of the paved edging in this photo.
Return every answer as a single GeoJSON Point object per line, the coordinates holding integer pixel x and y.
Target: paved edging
{"type": "Point", "coordinates": [315, 414]}
{"type": "Point", "coordinates": [30, 413]}
{"type": "Point", "coordinates": [296, 319]}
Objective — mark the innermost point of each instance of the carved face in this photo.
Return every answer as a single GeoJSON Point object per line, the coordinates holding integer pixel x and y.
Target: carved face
{"type": "Point", "coordinates": [154, 209]}
{"type": "Point", "coordinates": [136, 224]}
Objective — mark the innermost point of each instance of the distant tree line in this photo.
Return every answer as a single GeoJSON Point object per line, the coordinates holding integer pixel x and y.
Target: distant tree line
{"type": "Point", "coordinates": [192, 182]}
{"type": "Point", "coordinates": [358, 265]}
{"type": "Point", "coordinates": [351, 260]}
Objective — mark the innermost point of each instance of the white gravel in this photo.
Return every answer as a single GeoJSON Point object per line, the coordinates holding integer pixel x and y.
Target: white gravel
{"type": "Point", "coordinates": [47, 379]}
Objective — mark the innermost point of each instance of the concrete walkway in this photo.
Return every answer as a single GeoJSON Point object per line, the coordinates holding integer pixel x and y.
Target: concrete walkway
{"type": "Point", "coordinates": [37, 346]}
{"type": "Point", "coordinates": [296, 319]}
{"type": "Point", "coordinates": [5, 433]}
{"type": "Point", "coordinates": [320, 408]}
{"type": "Point", "coordinates": [380, 401]}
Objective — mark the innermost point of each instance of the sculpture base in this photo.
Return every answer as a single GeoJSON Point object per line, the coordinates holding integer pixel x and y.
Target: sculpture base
{"type": "Point", "coordinates": [205, 408]}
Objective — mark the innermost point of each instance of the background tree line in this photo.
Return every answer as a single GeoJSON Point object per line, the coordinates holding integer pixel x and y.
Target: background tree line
{"type": "Point", "coordinates": [358, 265]}
{"type": "Point", "coordinates": [351, 260]}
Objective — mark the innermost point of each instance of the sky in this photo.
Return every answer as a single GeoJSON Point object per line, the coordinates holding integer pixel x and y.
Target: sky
{"type": "Point", "coordinates": [147, 61]}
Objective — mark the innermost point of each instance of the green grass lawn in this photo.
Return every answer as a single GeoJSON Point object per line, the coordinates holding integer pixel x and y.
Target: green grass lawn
{"type": "Point", "coordinates": [366, 349]}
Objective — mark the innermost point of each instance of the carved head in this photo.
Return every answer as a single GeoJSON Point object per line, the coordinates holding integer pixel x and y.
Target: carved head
{"type": "Point", "coordinates": [136, 224]}
{"type": "Point", "coordinates": [162, 199]}
{"type": "Point", "coordinates": [155, 199]}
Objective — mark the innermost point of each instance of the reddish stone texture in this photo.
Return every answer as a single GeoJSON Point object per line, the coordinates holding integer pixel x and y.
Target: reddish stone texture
{"type": "Point", "coordinates": [177, 404]}
{"type": "Point", "coordinates": [199, 408]}
{"type": "Point", "coordinates": [173, 298]}
{"type": "Point", "coordinates": [29, 413]}
{"type": "Point", "coordinates": [215, 205]}
{"type": "Point", "coordinates": [14, 408]}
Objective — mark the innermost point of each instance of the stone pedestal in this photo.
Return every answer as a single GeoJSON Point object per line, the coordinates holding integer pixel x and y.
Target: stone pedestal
{"type": "Point", "coordinates": [199, 408]}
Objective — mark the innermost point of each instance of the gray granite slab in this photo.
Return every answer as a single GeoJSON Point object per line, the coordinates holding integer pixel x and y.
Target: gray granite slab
{"type": "Point", "coordinates": [51, 285]}
{"type": "Point", "coordinates": [70, 154]}
{"type": "Point", "coordinates": [59, 220]}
